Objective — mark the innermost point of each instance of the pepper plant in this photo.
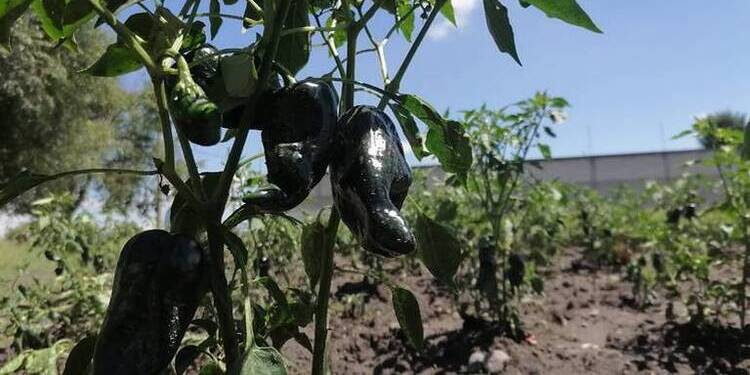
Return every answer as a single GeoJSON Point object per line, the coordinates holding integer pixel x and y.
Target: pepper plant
{"type": "Point", "coordinates": [199, 90]}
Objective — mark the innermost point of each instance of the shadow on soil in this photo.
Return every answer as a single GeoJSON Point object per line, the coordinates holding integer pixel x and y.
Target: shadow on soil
{"type": "Point", "coordinates": [448, 351]}
{"type": "Point", "coordinates": [707, 348]}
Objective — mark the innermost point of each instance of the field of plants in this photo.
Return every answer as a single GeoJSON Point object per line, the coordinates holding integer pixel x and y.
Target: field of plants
{"type": "Point", "coordinates": [181, 269]}
{"type": "Point", "coordinates": [511, 274]}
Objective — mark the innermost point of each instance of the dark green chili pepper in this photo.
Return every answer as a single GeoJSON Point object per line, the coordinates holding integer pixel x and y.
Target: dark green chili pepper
{"type": "Point", "coordinates": [690, 210]}
{"type": "Point", "coordinates": [516, 270]}
{"type": "Point", "coordinates": [194, 114]}
{"type": "Point", "coordinates": [298, 130]}
{"type": "Point", "coordinates": [159, 282]}
{"type": "Point", "coordinates": [370, 179]}
{"type": "Point", "coordinates": [673, 215]}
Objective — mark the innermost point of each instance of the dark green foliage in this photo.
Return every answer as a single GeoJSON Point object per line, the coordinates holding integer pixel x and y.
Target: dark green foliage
{"type": "Point", "coordinates": [42, 134]}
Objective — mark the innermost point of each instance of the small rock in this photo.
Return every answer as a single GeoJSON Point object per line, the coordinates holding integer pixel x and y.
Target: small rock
{"type": "Point", "coordinates": [559, 318]}
{"type": "Point", "coordinates": [588, 345]}
{"type": "Point", "coordinates": [497, 361]}
{"type": "Point", "coordinates": [476, 361]}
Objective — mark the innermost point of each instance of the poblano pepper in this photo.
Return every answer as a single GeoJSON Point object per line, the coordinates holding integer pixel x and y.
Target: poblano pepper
{"type": "Point", "coordinates": [193, 112]}
{"type": "Point", "coordinates": [298, 129]}
{"type": "Point", "coordinates": [370, 179]}
{"type": "Point", "coordinates": [159, 282]}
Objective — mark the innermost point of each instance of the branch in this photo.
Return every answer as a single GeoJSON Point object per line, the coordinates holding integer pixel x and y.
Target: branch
{"type": "Point", "coordinates": [378, 49]}
{"type": "Point", "coordinates": [393, 86]}
{"type": "Point", "coordinates": [331, 48]}
{"type": "Point", "coordinates": [345, 59]}
{"type": "Point", "coordinates": [131, 40]}
{"type": "Point", "coordinates": [309, 29]}
{"type": "Point", "coordinates": [398, 24]}
{"type": "Point", "coordinates": [27, 181]}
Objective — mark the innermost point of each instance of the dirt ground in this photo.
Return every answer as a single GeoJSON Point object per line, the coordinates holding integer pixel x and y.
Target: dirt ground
{"type": "Point", "coordinates": [583, 324]}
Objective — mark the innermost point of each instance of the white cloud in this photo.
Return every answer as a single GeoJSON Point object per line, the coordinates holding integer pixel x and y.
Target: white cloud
{"type": "Point", "coordinates": [463, 9]}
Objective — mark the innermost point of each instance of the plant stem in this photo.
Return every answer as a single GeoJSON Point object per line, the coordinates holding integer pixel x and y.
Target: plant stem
{"type": "Point", "coordinates": [324, 289]}
{"type": "Point", "coordinates": [222, 297]}
{"type": "Point", "coordinates": [331, 47]}
{"type": "Point", "coordinates": [220, 290]}
{"type": "Point", "coordinates": [393, 86]}
{"type": "Point", "coordinates": [131, 40]}
{"type": "Point", "coordinates": [326, 273]}
{"type": "Point", "coordinates": [168, 169]}
{"type": "Point", "coordinates": [309, 29]}
{"type": "Point", "coordinates": [351, 63]}
{"type": "Point", "coordinates": [160, 92]}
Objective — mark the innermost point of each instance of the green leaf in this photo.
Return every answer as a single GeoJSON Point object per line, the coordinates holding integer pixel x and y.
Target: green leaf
{"type": "Point", "coordinates": [313, 241]}
{"type": "Point", "coordinates": [262, 361]}
{"type": "Point", "coordinates": [684, 133]}
{"type": "Point", "coordinates": [214, 19]}
{"type": "Point", "coordinates": [240, 75]}
{"type": "Point", "coordinates": [141, 24]}
{"type": "Point", "coordinates": [545, 150]}
{"type": "Point", "coordinates": [77, 12]}
{"type": "Point", "coordinates": [19, 184]}
{"type": "Point", "coordinates": [422, 110]}
{"type": "Point", "coordinates": [498, 23]}
{"type": "Point", "coordinates": [195, 37]}
{"type": "Point", "coordinates": [10, 11]}
{"type": "Point", "coordinates": [407, 25]}
{"type": "Point", "coordinates": [566, 10]}
{"type": "Point", "coordinates": [185, 358]}
{"type": "Point", "coordinates": [116, 60]}
{"type": "Point", "coordinates": [410, 129]}
{"type": "Point", "coordinates": [448, 12]}
{"type": "Point", "coordinates": [80, 357]}
{"type": "Point", "coordinates": [447, 140]}
{"type": "Point", "coordinates": [212, 368]}
{"type": "Point", "coordinates": [237, 248]}
{"type": "Point", "coordinates": [438, 248]}
{"type": "Point", "coordinates": [294, 49]}
{"type": "Point", "coordinates": [273, 289]}
{"type": "Point", "coordinates": [14, 365]}
{"type": "Point", "coordinates": [406, 307]}
{"type": "Point", "coordinates": [452, 148]}
{"type": "Point", "coordinates": [252, 13]}
{"type": "Point", "coordinates": [50, 14]}
{"type": "Point", "coordinates": [387, 5]}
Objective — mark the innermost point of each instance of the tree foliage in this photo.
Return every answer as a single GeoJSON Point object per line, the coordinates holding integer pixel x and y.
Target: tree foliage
{"type": "Point", "coordinates": [54, 118]}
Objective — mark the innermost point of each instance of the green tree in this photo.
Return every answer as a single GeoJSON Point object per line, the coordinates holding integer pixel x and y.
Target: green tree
{"type": "Point", "coordinates": [40, 131]}
{"type": "Point", "coordinates": [722, 120]}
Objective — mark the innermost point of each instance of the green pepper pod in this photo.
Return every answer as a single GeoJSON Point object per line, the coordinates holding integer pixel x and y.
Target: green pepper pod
{"type": "Point", "coordinates": [159, 282]}
{"type": "Point", "coordinates": [193, 113]}
{"type": "Point", "coordinates": [370, 179]}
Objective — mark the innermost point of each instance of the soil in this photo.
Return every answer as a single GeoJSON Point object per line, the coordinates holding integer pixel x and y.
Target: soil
{"type": "Point", "coordinates": [584, 323]}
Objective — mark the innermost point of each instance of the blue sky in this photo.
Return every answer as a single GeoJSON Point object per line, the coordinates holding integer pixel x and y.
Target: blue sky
{"type": "Point", "coordinates": [656, 66]}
